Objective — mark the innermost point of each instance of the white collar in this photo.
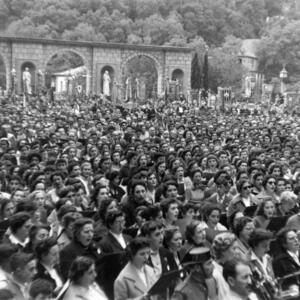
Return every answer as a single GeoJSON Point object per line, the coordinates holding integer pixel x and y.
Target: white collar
{"type": "Point", "coordinates": [16, 241]}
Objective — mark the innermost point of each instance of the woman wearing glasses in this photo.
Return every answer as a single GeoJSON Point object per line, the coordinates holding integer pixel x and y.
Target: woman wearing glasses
{"type": "Point", "coordinates": [269, 189]}
{"type": "Point", "coordinates": [243, 199]}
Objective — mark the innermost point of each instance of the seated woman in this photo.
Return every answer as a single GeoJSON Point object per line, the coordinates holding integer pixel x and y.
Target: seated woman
{"type": "Point", "coordinates": [137, 277]}
{"type": "Point", "coordinates": [265, 211]}
{"type": "Point", "coordinates": [82, 283]}
{"type": "Point", "coordinates": [287, 262]}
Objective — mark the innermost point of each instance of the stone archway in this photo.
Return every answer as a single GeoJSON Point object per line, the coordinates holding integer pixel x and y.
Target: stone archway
{"type": "Point", "coordinates": [178, 77]}
{"type": "Point", "coordinates": [158, 67]}
{"type": "Point", "coordinates": [86, 77]}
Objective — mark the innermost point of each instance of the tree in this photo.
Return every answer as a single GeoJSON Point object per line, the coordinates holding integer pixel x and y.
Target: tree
{"type": "Point", "coordinates": [280, 46]}
{"type": "Point", "coordinates": [196, 73]}
{"type": "Point", "coordinates": [224, 68]}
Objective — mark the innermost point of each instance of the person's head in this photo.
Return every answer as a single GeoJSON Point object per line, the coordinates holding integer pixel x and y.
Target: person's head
{"type": "Point", "coordinates": [269, 183]}
{"type": "Point", "coordinates": [238, 274]}
{"type": "Point", "coordinates": [233, 218]}
{"type": "Point", "coordinates": [243, 186]}
{"type": "Point", "coordinates": [170, 190]}
{"type": "Point", "coordinates": [266, 208]}
{"type": "Point", "coordinates": [259, 241]}
{"type": "Point", "coordinates": [244, 228]}
{"type": "Point", "coordinates": [57, 179]}
{"type": "Point", "coordinates": [18, 195]}
{"type": "Point", "coordinates": [86, 169]}
{"type": "Point", "coordinates": [107, 205]}
{"type": "Point", "coordinates": [287, 238]}
{"type": "Point", "coordinates": [138, 188]}
{"type": "Point", "coordinates": [23, 266]}
{"type": "Point", "coordinates": [100, 193]}
{"type": "Point", "coordinates": [258, 179]}
{"type": "Point", "coordinates": [154, 232]}
{"type": "Point", "coordinates": [20, 224]}
{"type": "Point", "coordinates": [212, 213]}
{"type": "Point", "coordinates": [187, 211]}
{"type": "Point", "coordinates": [138, 251]}
{"type": "Point", "coordinates": [170, 209]}
{"type": "Point", "coordinates": [82, 271]}
{"type": "Point", "coordinates": [172, 239]}
{"type": "Point", "coordinates": [67, 222]}
{"type": "Point", "coordinates": [38, 233]}
{"type": "Point", "coordinates": [287, 201]}
{"type": "Point", "coordinates": [196, 176]}
{"type": "Point", "coordinates": [6, 294]}
{"type": "Point", "coordinates": [41, 289]}
{"type": "Point", "coordinates": [6, 251]}
{"type": "Point", "coordinates": [47, 252]}
{"type": "Point", "coordinates": [83, 231]}
{"type": "Point", "coordinates": [115, 221]}
{"type": "Point", "coordinates": [195, 233]}
{"type": "Point", "coordinates": [8, 208]}
{"type": "Point", "coordinates": [224, 246]}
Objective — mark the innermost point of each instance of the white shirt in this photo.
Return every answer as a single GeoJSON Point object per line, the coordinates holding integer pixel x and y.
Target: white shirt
{"type": "Point", "coordinates": [55, 277]}
{"type": "Point", "coordinates": [15, 241]}
{"type": "Point", "coordinates": [155, 259]}
{"type": "Point", "coordinates": [120, 239]}
{"type": "Point", "coordinates": [295, 256]}
{"type": "Point", "coordinates": [142, 274]}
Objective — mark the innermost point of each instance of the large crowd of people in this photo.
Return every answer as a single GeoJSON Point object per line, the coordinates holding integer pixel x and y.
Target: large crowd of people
{"type": "Point", "coordinates": [165, 200]}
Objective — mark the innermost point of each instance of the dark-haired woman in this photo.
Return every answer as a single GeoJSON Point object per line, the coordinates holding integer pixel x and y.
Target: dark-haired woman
{"type": "Point", "coordinates": [81, 245]}
{"type": "Point", "coordinates": [265, 211]}
{"type": "Point", "coordinates": [195, 194]}
{"type": "Point", "coordinates": [137, 277]}
{"type": "Point", "coordinates": [47, 253]}
{"type": "Point", "coordinates": [82, 277]}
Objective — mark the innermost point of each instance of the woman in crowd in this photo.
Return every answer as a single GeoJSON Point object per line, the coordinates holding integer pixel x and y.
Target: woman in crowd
{"type": "Point", "coordinates": [47, 253]}
{"type": "Point", "coordinates": [243, 199]}
{"type": "Point", "coordinates": [286, 262]}
{"type": "Point", "coordinates": [37, 233]}
{"type": "Point", "coordinates": [137, 277]}
{"type": "Point", "coordinates": [106, 205]}
{"type": "Point", "coordinates": [7, 209]}
{"type": "Point", "coordinates": [81, 245]}
{"type": "Point", "coordinates": [265, 211]}
{"type": "Point", "coordinates": [195, 194]}
{"type": "Point", "coordinates": [170, 211]}
{"type": "Point", "coordinates": [261, 262]}
{"type": "Point", "coordinates": [243, 231]}
{"type": "Point", "coordinates": [82, 283]}
{"type": "Point", "coordinates": [173, 242]}
{"type": "Point", "coordinates": [224, 247]}
{"type": "Point", "coordinates": [269, 191]}
{"type": "Point", "coordinates": [211, 215]}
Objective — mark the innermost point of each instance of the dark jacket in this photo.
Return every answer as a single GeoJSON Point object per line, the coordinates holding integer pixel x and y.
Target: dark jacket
{"type": "Point", "coordinates": [110, 266]}
{"type": "Point", "coordinates": [42, 273]}
{"type": "Point", "coordinates": [284, 265]}
{"type": "Point", "coordinates": [73, 250]}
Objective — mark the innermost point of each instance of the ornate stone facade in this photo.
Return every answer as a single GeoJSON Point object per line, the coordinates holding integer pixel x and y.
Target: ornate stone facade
{"type": "Point", "coordinates": [16, 52]}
